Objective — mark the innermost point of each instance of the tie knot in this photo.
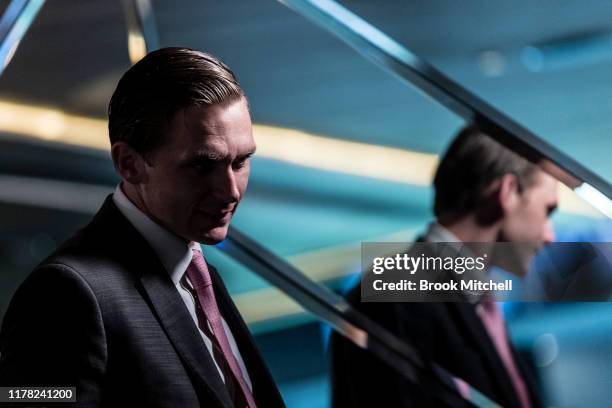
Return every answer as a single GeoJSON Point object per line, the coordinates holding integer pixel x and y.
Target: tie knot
{"type": "Point", "coordinates": [490, 308]}
{"type": "Point", "coordinates": [198, 265]}
{"type": "Point", "coordinates": [197, 256]}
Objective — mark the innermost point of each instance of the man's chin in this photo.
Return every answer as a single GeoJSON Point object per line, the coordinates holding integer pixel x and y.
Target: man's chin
{"type": "Point", "coordinates": [213, 236]}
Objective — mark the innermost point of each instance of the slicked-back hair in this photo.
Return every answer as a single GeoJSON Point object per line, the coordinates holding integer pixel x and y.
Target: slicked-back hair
{"type": "Point", "coordinates": [165, 81]}
{"type": "Point", "coordinates": [471, 164]}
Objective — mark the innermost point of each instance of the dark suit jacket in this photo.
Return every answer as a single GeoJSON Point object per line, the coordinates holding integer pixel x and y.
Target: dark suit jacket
{"type": "Point", "coordinates": [448, 334]}
{"type": "Point", "coordinates": [102, 314]}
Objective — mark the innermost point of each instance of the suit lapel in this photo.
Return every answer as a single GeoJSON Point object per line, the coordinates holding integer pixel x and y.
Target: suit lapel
{"type": "Point", "coordinates": [184, 335]}
{"type": "Point", "coordinates": [264, 386]}
{"type": "Point", "coordinates": [125, 243]}
{"type": "Point", "coordinates": [528, 377]}
{"type": "Point", "coordinates": [474, 328]}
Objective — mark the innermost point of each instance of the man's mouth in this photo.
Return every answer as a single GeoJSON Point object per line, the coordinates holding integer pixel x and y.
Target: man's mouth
{"type": "Point", "coordinates": [218, 216]}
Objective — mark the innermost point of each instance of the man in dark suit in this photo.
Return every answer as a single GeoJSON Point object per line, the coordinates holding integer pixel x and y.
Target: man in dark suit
{"type": "Point", "coordinates": [483, 193]}
{"type": "Point", "coordinates": [127, 310]}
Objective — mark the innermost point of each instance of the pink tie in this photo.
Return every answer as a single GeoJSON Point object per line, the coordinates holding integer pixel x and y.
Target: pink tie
{"type": "Point", "coordinates": [493, 321]}
{"type": "Point", "coordinates": [462, 387]}
{"type": "Point", "coordinates": [198, 273]}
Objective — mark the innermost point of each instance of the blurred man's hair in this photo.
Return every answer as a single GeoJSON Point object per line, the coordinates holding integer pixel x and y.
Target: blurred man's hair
{"type": "Point", "coordinates": [471, 164]}
{"type": "Point", "coordinates": [165, 81]}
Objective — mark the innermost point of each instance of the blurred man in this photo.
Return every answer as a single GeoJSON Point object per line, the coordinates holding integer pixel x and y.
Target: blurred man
{"type": "Point", "coordinates": [128, 311]}
{"type": "Point", "coordinates": [483, 193]}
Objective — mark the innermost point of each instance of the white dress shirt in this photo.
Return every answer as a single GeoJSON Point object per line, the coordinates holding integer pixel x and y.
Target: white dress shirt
{"type": "Point", "coordinates": [438, 233]}
{"type": "Point", "coordinates": [175, 255]}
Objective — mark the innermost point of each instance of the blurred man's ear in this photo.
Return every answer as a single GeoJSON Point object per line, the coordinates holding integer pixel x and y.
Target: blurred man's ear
{"type": "Point", "coordinates": [508, 193]}
{"type": "Point", "coordinates": [129, 163]}
{"type": "Point", "coordinates": [489, 209]}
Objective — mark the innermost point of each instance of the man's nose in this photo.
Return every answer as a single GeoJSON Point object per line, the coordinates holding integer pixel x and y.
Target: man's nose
{"type": "Point", "coordinates": [227, 186]}
{"type": "Point", "coordinates": [549, 233]}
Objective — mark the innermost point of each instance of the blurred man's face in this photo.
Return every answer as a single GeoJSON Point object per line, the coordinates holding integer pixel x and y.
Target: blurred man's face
{"type": "Point", "coordinates": [527, 221]}
{"type": "Point", "coordinates": [196, 179]}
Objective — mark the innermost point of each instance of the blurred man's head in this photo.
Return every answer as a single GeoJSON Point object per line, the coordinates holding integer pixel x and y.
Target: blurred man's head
{"type": "Point", "coordinates": [181, 138]}
{"type": "Point", "coordinates": [481, 180]}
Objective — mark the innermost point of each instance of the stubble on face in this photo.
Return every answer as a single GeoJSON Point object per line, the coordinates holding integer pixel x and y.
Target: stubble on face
{"type": "Point", "coordinates": [198, 177]}
{"type": "Point", "coordinates": [528, 226]}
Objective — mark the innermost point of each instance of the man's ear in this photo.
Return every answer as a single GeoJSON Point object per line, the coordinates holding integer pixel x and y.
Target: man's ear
{"type": "Point", "coordinates": [129, 163]}
{"type": "Point", "coordinates": [508, 193]}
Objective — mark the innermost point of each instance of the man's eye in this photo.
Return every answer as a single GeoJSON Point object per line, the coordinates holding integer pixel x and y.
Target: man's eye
{"type": "Point", "coordinates": [241, 163]}
{"type": "Point", "coordinates": [202, 167]}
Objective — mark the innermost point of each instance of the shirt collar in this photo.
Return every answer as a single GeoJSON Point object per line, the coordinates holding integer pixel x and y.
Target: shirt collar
{"type": "Point", "coordinates": [438, 233]}
{"type": "Point", "coordinates": [174, 252]}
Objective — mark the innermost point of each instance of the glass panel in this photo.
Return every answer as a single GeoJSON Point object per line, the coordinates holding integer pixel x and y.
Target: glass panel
{"type": "Point", "coordinates": [543, 63]}
{"type": "Point", "coordinates": [346, 152]}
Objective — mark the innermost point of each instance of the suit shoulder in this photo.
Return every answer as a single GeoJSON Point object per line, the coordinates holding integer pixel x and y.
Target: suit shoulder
{"type": "Point", "coordinates": [90, 256]}
{"type": "Point", "coordinates": [393, 315]}
{"type": "Point", "coordinates": [56, 282]}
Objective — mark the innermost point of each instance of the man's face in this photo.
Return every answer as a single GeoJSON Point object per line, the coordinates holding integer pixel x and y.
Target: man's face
{"type": "Point", "coordinates": [196, 179]}
{"type": "Point", "coordinates": [527, 221]}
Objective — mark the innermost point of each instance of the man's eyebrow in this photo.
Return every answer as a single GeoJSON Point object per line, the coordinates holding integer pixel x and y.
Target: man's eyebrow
{"type": "Point", "coordinates": [207, 156]}
{"type": "Point", "coordinates": [249, 153]}
{"type": "Point", "coordinates": [204, 155]}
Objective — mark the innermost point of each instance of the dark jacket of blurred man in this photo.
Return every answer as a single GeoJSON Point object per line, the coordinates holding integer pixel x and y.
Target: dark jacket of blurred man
{"type": "Point", "coordinates": [127, 310]}
{"type": "Point", "coordinates": [483, 193]}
